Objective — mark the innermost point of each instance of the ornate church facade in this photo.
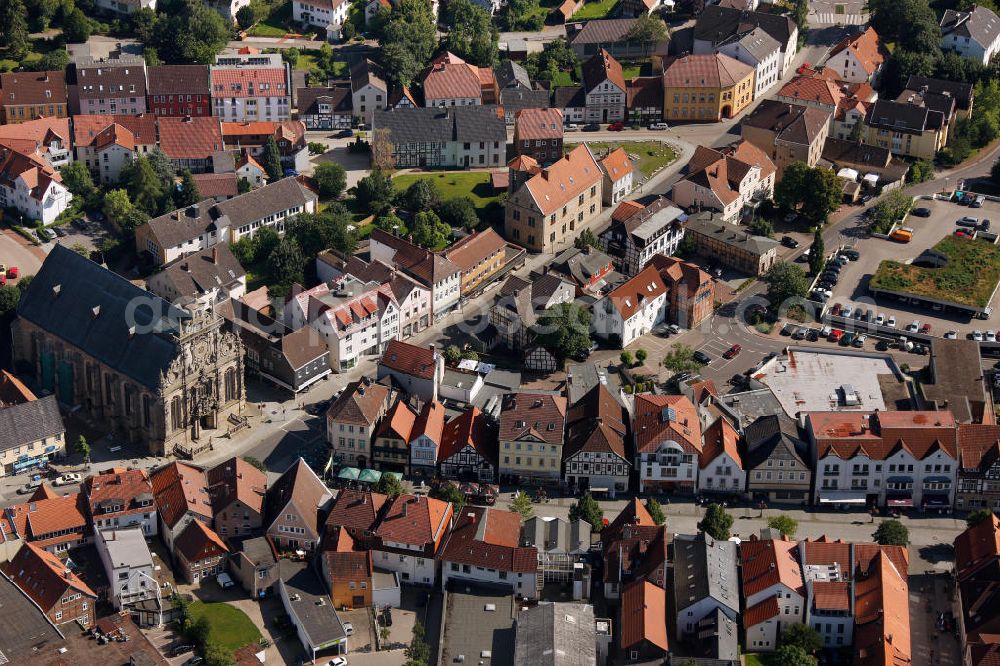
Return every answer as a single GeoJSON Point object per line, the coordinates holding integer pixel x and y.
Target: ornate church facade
{"type": "Point", "coordinates": [126, 360]}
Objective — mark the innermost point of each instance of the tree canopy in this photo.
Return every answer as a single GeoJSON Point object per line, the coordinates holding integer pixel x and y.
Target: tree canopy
{"type": "Point", "coordinates": [655, 511]}
{"type": "Point", "coordinates": [472, 35]}
{"type": "Point", "coordinates": [787, 525]}
{"type": "Point", "coordinates": [270, 159]}
{"type": "Point", "coordinates": [680, 358]}
{"type": "Point", "coordinates": [421, 195]}
{"type": "Point", "coordinates": [802, 636]}
{"type": "Point", "coordinates": [448, 492]}
{"type": "Point", "coordinates": [389, 484]}
{"type": "Point", "coordinates": [459, 212]}
{"type": "Point", "coordinates": [285, 266]}
{"type": "Point", "coordinates": [784, 281]}
{"type": "Point", "coordinates": [814, 191]}
{"type": "Point", "coordinates": [791, 655]}
{"type": "Point", "coordinates": [408, 36]}
{"type": "Point", "coordinates": [430, 232]}
{"type": "Point", "coordinates": [716, 523]}
{"type": "Point", "coordinates": [648, 28]}
{"type": "Point", "coordinates": [817, 253]}
{"type": "Point", "coordinates": [185, 32]}
{"type": "Point", "coordinates": [892, 533]}
{"type": "Point", "coordinates": [556, 56]}
{"type": "Point", "coordinates": [331, 179]}
{"type": "Point", "coordinates": [564, 330]}
{"type": "Point", "coordinates": [522, 504]}
{"type": "Point", "coordinates": [586, 508]}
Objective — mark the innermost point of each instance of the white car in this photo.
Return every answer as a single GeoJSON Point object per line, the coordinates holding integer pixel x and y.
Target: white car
{"type": "Point", "coordinates": [880, 320]}
{"type": "Point", "coordinates": [224, 580]}
{"type": "Point", "coordinates": [991, 336]}
{"type": "Point", "coordinates": [951, 335]}
{"type": "Point", "coordinates": [348, 629]}
{"type": "Point", "coordinates": [891, 322]}
{"type": "Point", "coordinates": [570, 127]}
{"type": "Point", "coordinates": [977, 336]}
{"type": "Point", "coordinates": [337, 661]}
{"type": "Point", "coordinates": [67, 479]}
{"type": "Point", "coordinates": [846, 311]}
{"type": "Point", "coordinates": [659, 126]}
{"type": "Point", "coordinates": [914, 326]}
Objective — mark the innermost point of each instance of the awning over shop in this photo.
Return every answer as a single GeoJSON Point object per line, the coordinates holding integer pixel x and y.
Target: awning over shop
{"type": "Point", "coordinates": [900, 502]}
{"type": "Point", "coordinates": [900, 479]}
{"type": "Point", "coordinates": [28, 463]}
{"type": "Point", "coordinates": [936, 500]}
{"type": "Point", "coordinates": [369, 475]}
{"type": "Point", "coordinates": [937, 479]}
{"type": "Point", "coordinates": [349, 473]}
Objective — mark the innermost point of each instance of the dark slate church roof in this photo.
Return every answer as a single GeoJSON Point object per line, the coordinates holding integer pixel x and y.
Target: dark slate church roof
{"type": "Point", "coordinates": [95, 310]}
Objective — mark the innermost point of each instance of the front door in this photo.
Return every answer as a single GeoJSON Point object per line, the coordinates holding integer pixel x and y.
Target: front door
{"type": "Point", "coordinates": [604, 116]}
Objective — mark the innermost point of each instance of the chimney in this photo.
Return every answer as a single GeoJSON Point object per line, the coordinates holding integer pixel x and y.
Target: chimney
{"type": "Point", "coordinates": [193, 210]}
{"type": "Point", "coordinates": [215, 256]}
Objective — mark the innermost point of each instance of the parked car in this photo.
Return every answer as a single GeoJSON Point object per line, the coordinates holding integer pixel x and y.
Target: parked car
{"type": "Point", "coordinates": [59, 232]}
{"type": "Point", "coordinates": [344, 133]}
{"type": "Point", "coordinates": [967, 221]}
{"type": "Point", "coordinates": [348, 628]}
{"type": "Point", "coordinates": [571, 127]}
{"type": "Point", "coordinates": [925, 329]}
{"type": "Point", "coordinates": [67, 479]}
{"type": "Point", "coordinates": [985, 225]}
{"type": "Point", "coordinates": [851, 254]}
{"type": "Point", "coordinates": [799, 334]}
{"type": "Point", "coordinates": [788, 241]}
{"type": "Point", "coordinates": [880, 320]}
{"type": "Point", "coordinates": [846, 311]}
{"type": "Point", "coordinates": [847, 340]}
{"type": "Point", "coordinates": [44, 235]}
{"type": "Point", "coordinates": [913, 326]}
{"type": "Point", "coordinates": [991, 336]}
{"type": "Point", "coordinates": [860, 341]}
{"type": "Point", "coordinates": [337, 661]}
{"type": "Point", "coordinates": [178, 650]}
{"type": "Point", "coordinates": [963, 234]}
{"type": "Point", "coordinates": [835, 335]}
{"type": "Point", "coordinates": [951, 335]}
{"type": "Point", "coordinates": [978, 336]}
{"type": "Point", "coordinates": [702, 357]}
{"type": "Point", "coordinates": [891, 321]}
{"type": "Point", "coordinates": [812, 335]}
{"type": "Point", "coordinates": [616, 127]}
{"type": "Point", "coordinates": [224, 581]}
{"type": "Point", "coordinates": [195, 661]}
{"type": "Point", "coordinates": [732, 352]}
{"type": "Point", "coordinates": [882, 345]}
{"type": "Point", "coordinates": [79, 223]}
{"type": "Point", "coordinates": [921, 212]}
{"type": "Point", "coordinates": [659, 126]}
{"type": "Point", "coordinates": [592, 127]}
{"type": "Point", "coordinates": [835, 310]}
{"type": "Point", "coordinates": [28, 488]}
{"type": "Point", "coordinates": [290, 173]}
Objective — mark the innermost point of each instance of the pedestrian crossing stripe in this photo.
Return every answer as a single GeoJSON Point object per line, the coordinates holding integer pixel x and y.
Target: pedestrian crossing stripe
{"type": "Point", "coordinates": [830, 18]}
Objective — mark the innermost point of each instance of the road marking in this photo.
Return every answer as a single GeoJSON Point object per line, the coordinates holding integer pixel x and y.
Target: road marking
{"type": "Point", "coordinates": [830, 18]}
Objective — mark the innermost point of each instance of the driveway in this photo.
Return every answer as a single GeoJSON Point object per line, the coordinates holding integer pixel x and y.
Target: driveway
{"type": "Point", "coordinates": [16, 251]}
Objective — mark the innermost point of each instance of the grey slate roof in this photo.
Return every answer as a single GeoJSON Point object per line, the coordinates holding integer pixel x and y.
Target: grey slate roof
{"type": "Point", "coordinates": [197, 273]}
{"type": "Point", "coordinates": [30, 422]}
{"type": "Point", "coordinates": [581, 264]}
{"type": "Point", "coordinates": [181, 225]}
{"type": "Point", "coordinates": [729, 234]}
{"type": "Point", "coordinates": [962, 92]}
{"type": "Point", "coordinates": [716, 24]}
{"type": "Point", "coordinates": [556, 535]}
{"type": "Point", "coordinates": [67, 291]}
{"type": "Point", "coordinates": [901, 116]}
{"type": "Point", "coordinates": [511, 75]}
{"type": "Point", "coordinates": [556, 634]}
{"type": "Point", "coordinates": [338, 97]}
{"type": "Point", "coordinates": [570, 97]}
{"type": "Point", "coordinates": [363, 72]}
{"type": "Point", "coordinates": [705, 568]}
{"type": "Point", "coordinates": [757, 43]}
{"type": "Point", "coordinates": [980, 24]}
{"type": "Point", "coordinates": [769, 434]}
{"type": "Point", "coordinates": [514, 99]}
{"type": "Point", "coordinates": [603, 31]}
{"type": "Point", "coordinates": [441, 125]}
{"type": "Point", "coordinates": [312, 610]}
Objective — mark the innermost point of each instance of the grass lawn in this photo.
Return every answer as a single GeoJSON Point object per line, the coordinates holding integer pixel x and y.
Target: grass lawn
{"type": "Point", "coordinates": [563, 80]}
{"type": "Point", "coordinates": [753, 660]}
{"type": "Point", "coordinates": [970, 276]}
{"type": "Point", "coordinates": [39, 47]}
{"type": "Point", "coordinates": [595, 10]}
{"type": "Point", "coordinates": [631, 71]}
{"type": "Point", "coordinates": [453, 184]}
{"type": "Point", "coordinates": [652, 154]}
{"type": "Point", "coordinates": [275, 25]}
{"type": "Point", "coordinates": [231, 628]}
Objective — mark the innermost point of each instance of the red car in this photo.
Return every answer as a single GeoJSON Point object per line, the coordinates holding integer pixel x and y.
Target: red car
{"type": "Point", "coordinates": [835, 310]}
{"type": "Point", "coordinates": [732, 351]}
{"type": "Point", "coordinates": [616, 127]}
{"type": "Point", "coordinates": [961, 234]}
{"type": "Point", "coordinates": [12, 272]}
{"type": "Point", "coordinates": [835, 335]}
{"type": "Point", "coordinates": [925, 329]}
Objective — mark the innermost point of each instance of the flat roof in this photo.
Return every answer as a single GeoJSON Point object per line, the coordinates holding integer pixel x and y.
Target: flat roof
{"type": "Point", "coordinates": [384, 580]}
{"type": "Point", "coordinates": [24, 630]}
{"type": "Point", "coordinates": [470, 629]}
{"type": "Point", "coordinates": [127, 547]}
{"type": "Point", "coordinates": [957, 370]}
{"type": "Point", "coordinates": [80, 648]}
{"type": "Point", "coordinates": [312, 608]}
{"type": "Point", "coordinates": [809, 379]}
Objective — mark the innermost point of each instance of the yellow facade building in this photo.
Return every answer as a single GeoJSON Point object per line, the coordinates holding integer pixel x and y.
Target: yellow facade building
{"type": "Point", "coordinates": [706, 87]}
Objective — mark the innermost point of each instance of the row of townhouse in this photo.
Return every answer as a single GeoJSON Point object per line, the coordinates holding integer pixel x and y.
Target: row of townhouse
{"type": "Point", "coordinates": [977, 575]}
{"type": "Point", "coordinates": [238, 87]}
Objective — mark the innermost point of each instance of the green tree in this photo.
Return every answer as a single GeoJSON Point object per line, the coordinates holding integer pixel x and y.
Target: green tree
{"type": "Point", "coordinates": [556, 56]}
{"type": "Point", "coordinates": [375, 187]}
{"type": "Point", "coordinates": [243, 186]}
{"type": "Point", "coordinates": [408, 29]}
{"type": "Point", "coordinates": [400, 64]}
{"type": "Point", "coordinates": [889, 210]}
{"type": "Point", "coordinates": [522, 15]}
{"type": "Point", "coordinates": [285, 266]}
{"type": "Point", "coordinates": [9, 297]}
{"type": "Point", "coordinates": [978, 516]}
{"type": "Point", "coordinates": [761, 226]}
{"type": "Point", "coordinates": [14, 28]}
{"type": "Point", "coordinates": [331, 179]}
{"type": "Point", "coordinates": [245, 17]}
{"type": "Point", "coordinates": [641, 355]}
{"type": "Point", "coordinates": [902, 64]}
{"type": "Point", "coordinates": [422, 195]}
{"type": "Point", "coordinates": [655, 511]}
{"type": "Point", "coordinates": [164, 168]}
{"type": "Point", "coordinates": [430, 232]}
{"type": "Point", "coordinates": [564, 330]}
{"type": "Point", "coordinates": [56, 60]}
{"type": "Point", "coordinates": [459, 212]}
{"type": "Point", "coordinates": [921, 171]}
{"type": "Point", "coordinates": [255, 462]}
{"type": "Point", "coordinates": [470, 355]}
{"type": "Point", "coordinates": [270, 159]}
{"type": "Point", "coordinates": [787, 525]}
{"type": "Point", "coordinates": [814, 191]}
{"type": "Point", "coordinates": [791, 655]}
{"type": "Point", "coordinates": [216, 655]}
{"type": "Point", "coordinates": [892, 533]}
{"type": "Point", "coordinates": [586, 508]}
{"type": "Point", "coordinates": [472, 35]}
{"type": "Point", "coordinates": [189, 32]}
{"type": "Point", "coordinates": [626, 358]}
{"type": "Point", "coordinates": [784, 281]}
{"type": "Point", "coordinates": [585, 239]}
{"type": "Point", "coordinates": [449, 492]}
{"type": "Point", "coordinates": [77, 179]}
{"type": "Point", "coordinates": [716, 523]}
{"type": "Point", "coordinates": [117, 205]}
{"type": "Point", "coordinates": [680, 358]}
{"type": "Point", "coordinates": [418, 651]}
{"type": "Point", "coordinates": [392, 224]}
{"type": "Point", "coordinates": [648, 28]}
{"type": "Point", "coordinates": [76, 27]}
{"type": "Point", "coordinates": [144, 186]}
{"type": "Point", "coordinates": [522, 504]}
{"type": "Point", "coordinates": [817, 253]}
{"type": "Point", "coordinates": [452, 354]}
{"type": "Point", "coordinates": [389, 484]}
{"type": "Point", "coordinates": [802, 636]}
{"type": "Point", "coordinates": [291, 56]}
{"type": "Point", "coordinates": [196, 629]}
{"type": "Point", "coordinates": [187, 194]}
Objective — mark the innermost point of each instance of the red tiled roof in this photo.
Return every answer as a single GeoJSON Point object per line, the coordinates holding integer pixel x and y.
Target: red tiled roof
{"type": "Point", "coordinates": [236, 479]}
{"type": "Point", "coordinates": [977, 547]}
{"type": "Point", "coordinates": [430, 422]}
{"type": "Point", "coordinates": [212, 185]}
{"type": "Point", "coordinates": [867, 49]}
{"type": "Point", "coordinates": [343, 561]}
{"type": "Point", "coordinates": [180, 488]}
{"type": "Point", "coordinates": [44, 577]}
{"type": "Point", "coordinates": [398, 422]}
{"type": "Point", "coordinates": [57, 514]}
{"type": "Point", "coordinates": [450, 77]}
{"type": "Point", "coordinates": [198, 542]}
{"type": "Point", "coordinates": [831, 595]}
{"type": "Point", "coordinates": [632, 295]}
{"type": "Point", "coordinates": [355, 510]}
{"type": "Point", "coordinates": [409, 359]}
{"type": "Point", "coordinates": [978, 443]}
{"type": "Point", "coordinates": [633, 513]}
{"type": "Point", "coordinates": [43, 492]}
{"type": "Point", "coordinates": [652, 426]}
{"type": "Point", "coordinates": [538, 124]}
{"type": "Point", "coordinates": [468, 252]}
{"type": "Point", "coordinates": [984, 654]}
{"type": "Point", "coordinates": [644, 615]}
{"type": "Point", "coordinates": [538, 415]}
{"type": "Point", "coordinates": [563, 181]}
{"type": "Point", "coordinates": [882, 617]}
{"type": "Point", "coordinates": [87, 128]}
{"type": "Point", "coordinates": [361, 403]}
{"type": "Point", "coordinates": [37, 130]}
{"type": "Point", "coordinates": [719, 438]}
{"type": "Point", "coordinates": [705, 71]}
{"type": "Point", "coordinates": [298, 486]}
{"type": "Point", "coordinates": [125, 487]}
{"type": "Point", "coordinates": [415, 521]}
{"type": "Point", "coordinates": [767, 562]}
{"type": "Point", "coordinates": [882, 433]}
{"type": "Point", "coordinates": [596, 423]}
{"type": "Point", "coordinates": [812, 89]}
{"type": "Point", "coordinates": [39, 88]}
{"type": "Point", "coordinates": [249, 82]}
{"type": "Point", "coordinates": [602, 67]}
{"type": "Point", "coordinates": [470, 428]}
{"type": "Point", "coordinates": [824, 551]}
{"type": "Point", "coordinates": [488, 538]}
{"type": "Point", "coordinates": [865, 554]}
{"type": "Point", "coordinates": [195, 137]}
{"type": "Point", "coordinates": [761, 612]}
{"type": "Point", "coordinates": [625, 210]}
{"type": "Point", "coordinates": [617, 165]}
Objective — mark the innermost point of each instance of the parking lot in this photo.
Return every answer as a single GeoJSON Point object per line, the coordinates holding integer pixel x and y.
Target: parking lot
{"type": "Point", "coordinates": [854, 277]}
